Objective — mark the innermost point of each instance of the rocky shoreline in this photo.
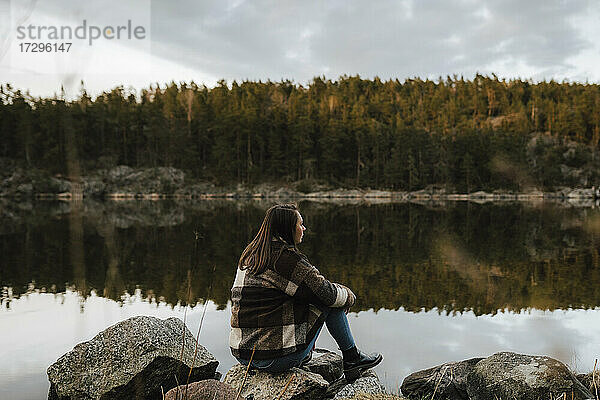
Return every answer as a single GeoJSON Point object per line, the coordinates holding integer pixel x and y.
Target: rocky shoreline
{"type": "Point", "coordinates": [149, 358]}
{"type": "Point", "coordinates": [126, 183]}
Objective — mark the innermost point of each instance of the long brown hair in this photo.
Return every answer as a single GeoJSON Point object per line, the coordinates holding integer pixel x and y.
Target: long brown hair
{"type": "Point", "coordinates": [280, 224]}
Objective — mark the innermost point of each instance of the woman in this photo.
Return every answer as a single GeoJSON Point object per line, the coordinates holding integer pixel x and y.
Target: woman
{"type": "Point", "coordinates": [280, 302]}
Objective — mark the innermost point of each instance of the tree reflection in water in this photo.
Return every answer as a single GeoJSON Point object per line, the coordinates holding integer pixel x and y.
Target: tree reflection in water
{"type": "Point", "coordinates": [453, 257]}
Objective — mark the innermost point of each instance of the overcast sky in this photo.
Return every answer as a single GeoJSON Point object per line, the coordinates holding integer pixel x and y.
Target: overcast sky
{"type": "Point", "coordinates": [205, 41]}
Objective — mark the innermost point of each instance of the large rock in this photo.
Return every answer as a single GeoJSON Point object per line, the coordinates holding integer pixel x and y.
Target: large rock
{"type": "Point", "coordinates": [510, 375]}
{"type": "Point", "coordinates": [447, 381]}
{"type": "Point", "coordinates": [129, 360]}
{"type": "Point", "coordinates": [25, 189]}
{"type": "Point", "coordinates": [502, 376]}
{"type": "Point", "coordinates": [266, 386]}
{"type": "Point", "coordinates": [322, 377]}
{"type": "Point", "coordinates": [209, 389]}
{"type": "Point", "coordinates": [119, 172]}
{"type": "Point", "coordinates": [94, 186]}
{"type": "Point", "coordinates": [197, 189]}
{"type": "Point", "coordinates": [367, 384]}
{"type": "Point", "coordinates": [581, 194]}
{"type": "Point", "coordinates": [161, 180]}
{"type": "Point", "coordinates": [327, 364]}
{"type": "Point", "coordinates": [52, 185]}
{"type": "Point", "coordinates": [591, 381]}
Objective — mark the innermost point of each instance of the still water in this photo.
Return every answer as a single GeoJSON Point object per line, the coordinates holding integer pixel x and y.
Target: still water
{"type": "Point", "coordinates": [434, 283]}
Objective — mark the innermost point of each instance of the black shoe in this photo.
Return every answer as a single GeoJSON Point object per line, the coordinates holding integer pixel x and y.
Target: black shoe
{"type": "Point", "coordinates": [354, 368]}
{"type": "Point", "coordinates": [306, 359]}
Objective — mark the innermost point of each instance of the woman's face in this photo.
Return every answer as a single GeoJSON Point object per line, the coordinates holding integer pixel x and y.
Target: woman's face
{"type": "Point", "coordinates": [300, 228]}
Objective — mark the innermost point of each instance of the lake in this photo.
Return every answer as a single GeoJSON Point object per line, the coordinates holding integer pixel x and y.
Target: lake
{"type": "Point", "coordinates": [434, 282]}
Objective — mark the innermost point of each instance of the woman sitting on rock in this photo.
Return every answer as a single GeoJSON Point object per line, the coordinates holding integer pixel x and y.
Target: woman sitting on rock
{"type": "Point", "coordinates": [280, 302]}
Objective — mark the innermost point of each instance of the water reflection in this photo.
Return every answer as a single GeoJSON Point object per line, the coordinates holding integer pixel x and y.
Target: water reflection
{"type": "Point", "coordinates": [493, 268]}
{"type": "Point", "coordinates": [409, 341]}
{"type": "Point", "coordinates": [461, 257]}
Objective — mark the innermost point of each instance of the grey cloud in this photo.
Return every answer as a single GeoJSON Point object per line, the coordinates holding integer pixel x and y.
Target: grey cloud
{"type": "Point", "coordinates": [539, 34]}
{"type": "Point", "coordinates": [271, 39]}
{"type": "Point", "coordinates": [251, 40]}
{"type": "Point", "coordinates": [299, 40]}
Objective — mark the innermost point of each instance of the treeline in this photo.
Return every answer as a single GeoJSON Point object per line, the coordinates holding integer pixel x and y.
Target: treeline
{"type": "Point", "coordinates": [463, 134]}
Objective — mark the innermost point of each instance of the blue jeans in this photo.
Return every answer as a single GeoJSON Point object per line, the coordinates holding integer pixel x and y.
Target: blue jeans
{"type": "Point", "coordinates": [338, 327]}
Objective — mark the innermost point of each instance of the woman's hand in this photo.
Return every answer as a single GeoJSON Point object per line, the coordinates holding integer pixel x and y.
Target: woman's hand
{"type": "Point", "coordinates": [351, 296]}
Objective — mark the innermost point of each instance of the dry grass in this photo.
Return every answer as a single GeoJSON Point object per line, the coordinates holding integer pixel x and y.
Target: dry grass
{"type": "Point", "coordinates": [246, 374]}
{"type": "Point", "coordinates": [380, 396]}
{"type": "Point", "coordinates": [595, 381]}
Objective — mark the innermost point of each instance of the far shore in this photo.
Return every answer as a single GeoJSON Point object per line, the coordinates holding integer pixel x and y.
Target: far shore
{"type": "Point", "coordinates": [159, 183]}
{"type": "Point", "coordinates": [591, 195]}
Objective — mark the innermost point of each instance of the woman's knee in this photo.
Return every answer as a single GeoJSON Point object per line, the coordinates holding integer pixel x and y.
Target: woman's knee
{"type": "Point", "coordinates": [337, 311]}
{"type": "Point", "coordinates": [331, 310]}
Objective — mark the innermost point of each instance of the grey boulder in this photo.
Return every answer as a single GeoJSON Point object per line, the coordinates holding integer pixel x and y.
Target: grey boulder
{"type": "Point", "coordinates": [120, 172]}
{"type": "Point", "coordinates": [209, 389]}
{"type": "Point", "coordinates": [331, 367]}
{"type": "Point", "coordinates": [367, 384]}
{"type": "Point", "coordinates": [149, 180]}
{"type": "Point", "coordinates": [591, 381]}
{"type": "Point", "coordinates": [267, 386]}
{"type": "Point", "coordinates": [134, 359]}
{"type": "Point", "coordinates": [328, 364]}
{"type": "Point", "coordinates": [509, 375]}
{"type": "Point", "coordinates": [320, 378]}
{"type": "Point", "coordinates": [447, 381]}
